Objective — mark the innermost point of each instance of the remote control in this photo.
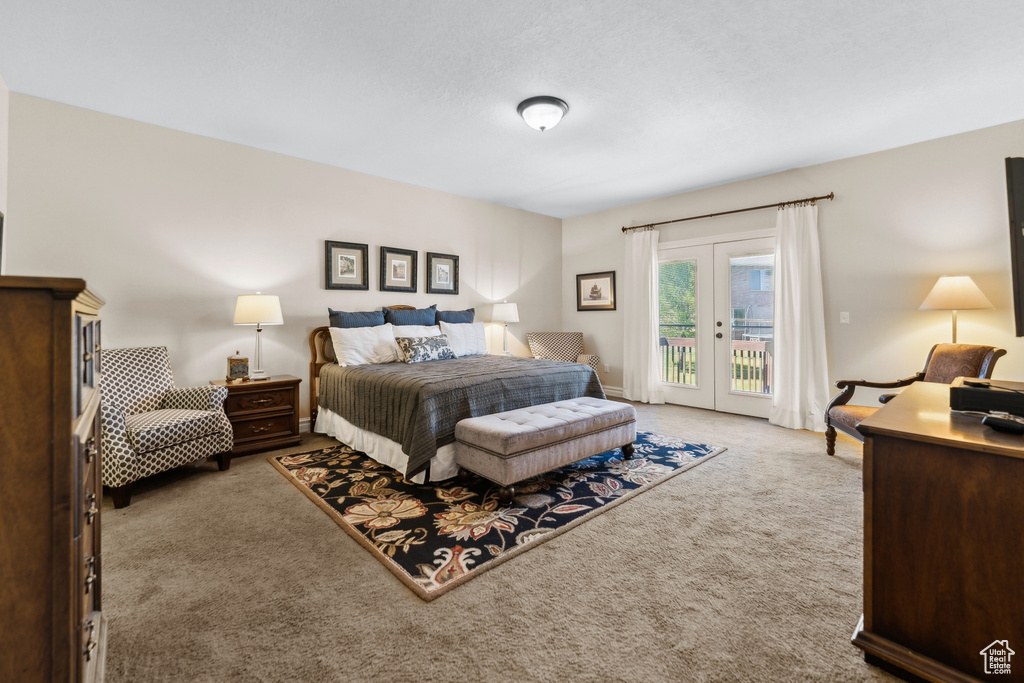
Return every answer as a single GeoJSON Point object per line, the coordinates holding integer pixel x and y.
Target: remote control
{"type": "Point", "coordinates": [1002, 424]}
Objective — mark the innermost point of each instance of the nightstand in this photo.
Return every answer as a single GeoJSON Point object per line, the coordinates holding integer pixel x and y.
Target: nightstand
{"type": "Point", "coordinates": [264, 414]}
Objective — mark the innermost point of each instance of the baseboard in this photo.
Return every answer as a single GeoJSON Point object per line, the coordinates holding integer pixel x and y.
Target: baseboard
{"type": "Point", "coordinates": [303, 424]}
{"type": "Point", "coordinates": [613, 391]}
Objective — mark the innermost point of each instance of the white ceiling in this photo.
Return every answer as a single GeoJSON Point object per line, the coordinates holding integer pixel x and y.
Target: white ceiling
{"type": "Point", "coordinates": [665, 96]}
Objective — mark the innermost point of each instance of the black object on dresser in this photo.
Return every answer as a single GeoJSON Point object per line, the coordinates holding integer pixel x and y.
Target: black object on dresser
{"type": "Point", "coordinates": [50, 562]}
{"type": "Point", "coordinates": [264, 413]}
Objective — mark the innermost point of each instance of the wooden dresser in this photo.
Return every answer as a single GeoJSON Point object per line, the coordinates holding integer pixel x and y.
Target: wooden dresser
{"type": "Point", "coordinates": [51, 627]}
{"type": "Point", "coordinates": [943, 542]}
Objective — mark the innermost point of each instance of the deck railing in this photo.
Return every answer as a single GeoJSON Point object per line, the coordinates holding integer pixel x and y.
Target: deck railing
{"type": "Point", "coordinates": [751, 364]}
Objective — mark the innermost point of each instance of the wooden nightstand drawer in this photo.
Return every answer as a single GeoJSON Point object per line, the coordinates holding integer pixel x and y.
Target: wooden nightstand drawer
{"type": "Point", "coordinates": [261, 428]}
{"type": "Point", "coordinates": [263, 414]}
{"type": "Point", "coordinates": [270, 399]}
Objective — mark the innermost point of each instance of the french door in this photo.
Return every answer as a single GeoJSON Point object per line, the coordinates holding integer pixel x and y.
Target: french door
{"type": "Point", "coordinates": [716, 325]}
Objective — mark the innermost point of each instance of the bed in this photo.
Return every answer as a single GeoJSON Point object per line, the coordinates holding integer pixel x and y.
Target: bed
{"type": "Point", "coordinates": [403, 415]}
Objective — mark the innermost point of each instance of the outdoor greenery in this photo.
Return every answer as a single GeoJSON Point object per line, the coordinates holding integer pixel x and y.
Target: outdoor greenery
{"type": "Point", "coordinates": [677, 286]}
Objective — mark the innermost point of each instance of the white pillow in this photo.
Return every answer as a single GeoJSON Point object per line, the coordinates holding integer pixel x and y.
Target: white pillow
{"type": "Point", "coordinates": [417, 331]}
{"type": "Point", "coordinates": [466, 339]}
{"type": "Point", "coordinates": [364, 345]}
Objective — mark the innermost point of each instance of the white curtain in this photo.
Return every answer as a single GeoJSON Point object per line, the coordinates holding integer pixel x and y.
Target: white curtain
{"type": "Point", "coordinates": [801, 368]}
{"type": "Point", "coordinates": [641, 381]}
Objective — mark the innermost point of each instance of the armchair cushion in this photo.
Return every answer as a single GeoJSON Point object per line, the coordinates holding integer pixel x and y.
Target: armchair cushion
{"type": "Point", "coordinates": [164, 428]}
{"type": "Point", "coordinates": [563, 346]}
{"type": "Point", "coordinates": [949, 361]}
{"type": "Point", "coordinates": [210, 397]}
{"type": "Point", "coordinates": [135, 379]}
{"type": "Point", "coordinates": [851, 416]}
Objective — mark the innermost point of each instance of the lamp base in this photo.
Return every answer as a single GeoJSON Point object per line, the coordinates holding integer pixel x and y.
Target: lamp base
{"type": "Point", "coordinates": [258, 375]}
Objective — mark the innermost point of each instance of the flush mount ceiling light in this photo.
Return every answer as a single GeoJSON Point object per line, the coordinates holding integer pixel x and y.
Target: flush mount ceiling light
{"type": "Point", "coordinates": [542, 113]}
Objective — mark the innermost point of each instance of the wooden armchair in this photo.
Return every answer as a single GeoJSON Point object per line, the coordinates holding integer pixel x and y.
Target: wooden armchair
{"type": "Point", "coordinates": [945, 363]}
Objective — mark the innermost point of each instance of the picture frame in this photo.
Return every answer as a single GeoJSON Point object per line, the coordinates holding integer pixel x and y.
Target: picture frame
{"type": "Point", "coordinates": [442, 273]}
{"type": "Point", "coordinates": [595, 291]}
{"type": "Point", "coordinates": [346, 265]}
{"type": "Point", "coordinates": [397, 270]}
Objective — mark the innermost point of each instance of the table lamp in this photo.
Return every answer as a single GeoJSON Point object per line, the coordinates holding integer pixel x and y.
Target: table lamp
{"type": "Point", "coordinates": [953, 293]}
{"type": "Point", "coordinates": [505, 313]}
{"type": "Point", "coordinates": [258, 309]}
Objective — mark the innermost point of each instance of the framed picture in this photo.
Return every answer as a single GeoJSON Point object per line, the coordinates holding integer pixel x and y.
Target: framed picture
{"type": "Point", "coordinates": [345, 265]}
{"type": "Point", "coordinates": [397, 270]}
{"type": "Point", "coordinates": [595, 291]}
{"type": "Point", "coordinates": [442, 273]}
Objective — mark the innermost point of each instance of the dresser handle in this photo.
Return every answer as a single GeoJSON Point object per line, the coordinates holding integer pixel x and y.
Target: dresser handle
{"type": "Point", "coordinates": [256, 430]}
{"type": "Point", "coordinates": [91, 645]}
{"type": "Point", "coordinates": [262, 401]}
{"type": "Point", "coordinates": [90, 578]}
{"type": "Point", "coordinates": [90, 449]}
{"type": "Point", "coordinates": [92, 511]}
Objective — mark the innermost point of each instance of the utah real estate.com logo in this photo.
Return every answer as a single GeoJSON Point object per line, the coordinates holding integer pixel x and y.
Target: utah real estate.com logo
{"type": "Point", "coordinates": [997, 657]}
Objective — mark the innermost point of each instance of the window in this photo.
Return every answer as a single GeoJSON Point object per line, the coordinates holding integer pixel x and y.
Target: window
{"type": "Point", "coordinates": [761, 280]}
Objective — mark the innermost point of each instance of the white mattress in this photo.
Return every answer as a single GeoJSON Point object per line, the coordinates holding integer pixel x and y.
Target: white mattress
{"type": "Point", "coordinates": [384, 450]}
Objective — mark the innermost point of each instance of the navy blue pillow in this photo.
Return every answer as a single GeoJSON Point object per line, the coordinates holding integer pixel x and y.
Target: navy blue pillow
{"type": "Point", "coordinates": [418, 316]}
{"type": "Point", "coordinates": [357, 319]}
{"type": "Point", "coordinates": [456, 317]}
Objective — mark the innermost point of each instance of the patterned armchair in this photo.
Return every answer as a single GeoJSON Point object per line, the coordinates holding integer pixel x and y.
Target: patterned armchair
{"type": "Point", "coordinates": [149, 426]}
{"type": "Point", "coordinates": [563, 346]}
{"type": "Point", "coordinates": [945, 363]}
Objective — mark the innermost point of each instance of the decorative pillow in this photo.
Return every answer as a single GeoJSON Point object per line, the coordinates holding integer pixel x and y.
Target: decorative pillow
{"type": "Point", "coordinates": [417, 331]}
{"type": "Point", "coordinates": [418, 316]}
{"type": "Point", "coordinates": [466, 339]}
{"type": "Point", "coordinates": [364, 345]}
{"type": "Point", "coordinates": [465, 316]}
{"type": "Point", "coordinates": [419, 349]}
{"type": "Point", "coordinates": [356, 319]}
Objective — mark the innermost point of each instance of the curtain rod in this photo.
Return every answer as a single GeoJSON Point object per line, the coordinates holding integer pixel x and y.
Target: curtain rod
{"type": "Point", "coordinates": [830, 196]}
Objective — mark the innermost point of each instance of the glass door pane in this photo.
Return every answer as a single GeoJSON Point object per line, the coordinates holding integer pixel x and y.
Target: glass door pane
{"type": "Point", "coordinates": [677, 324]}
{"type": "Point", "coordinates": [752, 319]}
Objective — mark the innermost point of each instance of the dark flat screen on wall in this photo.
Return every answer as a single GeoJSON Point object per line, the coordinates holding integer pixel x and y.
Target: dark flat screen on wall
{"type": "Point", "coordinates": [1015, 198]}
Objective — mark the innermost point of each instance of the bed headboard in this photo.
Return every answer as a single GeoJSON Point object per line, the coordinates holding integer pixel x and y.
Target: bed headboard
{"type": "Point", "coordinates": [321, 353]}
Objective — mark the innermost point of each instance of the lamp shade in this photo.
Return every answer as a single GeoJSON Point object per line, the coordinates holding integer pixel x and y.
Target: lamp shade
{"type": "Point", "coordinates": [543, 112]}
{"type": "Point", "coordinates": [505, 313]}
{"type": "Point", "coordinates": [258, 309]}
{"type": "Point", "coordinates": [955, 292]}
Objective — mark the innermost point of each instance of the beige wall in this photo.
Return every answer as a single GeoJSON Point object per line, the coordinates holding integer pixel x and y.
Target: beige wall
{"type": "Point", "coordinates": [170, 227]}
{"type": "Point", "coordinates": [901, 218]}
{"type": "Point", "coordinates": [4, 108]}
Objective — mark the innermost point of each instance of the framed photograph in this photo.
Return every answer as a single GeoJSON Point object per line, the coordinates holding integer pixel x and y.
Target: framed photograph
{"type": "Point", "coordinates": [442, 273]}
{"type": "Point", "coordinates": [345, 265]}
{"type": "Point", "coordinates": [595, 291]}
{"type": "Point", "coordinates": [397, 270]}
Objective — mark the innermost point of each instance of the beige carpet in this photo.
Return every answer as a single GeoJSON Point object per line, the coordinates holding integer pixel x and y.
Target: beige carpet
{"type": "Point", "coordinates": [746, 569]}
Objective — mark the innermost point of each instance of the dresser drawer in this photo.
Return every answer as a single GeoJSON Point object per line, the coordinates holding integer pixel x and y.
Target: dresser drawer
{"type": "Point", "coordinates": [270, 399]}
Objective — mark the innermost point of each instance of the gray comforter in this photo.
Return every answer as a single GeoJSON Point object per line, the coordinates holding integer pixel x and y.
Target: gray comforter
{"type": "Point", "coordinates": [418, 404]}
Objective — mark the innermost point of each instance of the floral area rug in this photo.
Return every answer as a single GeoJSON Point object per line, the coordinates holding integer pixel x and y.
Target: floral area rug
{"type": "Point", "coordinates": [436, 536]}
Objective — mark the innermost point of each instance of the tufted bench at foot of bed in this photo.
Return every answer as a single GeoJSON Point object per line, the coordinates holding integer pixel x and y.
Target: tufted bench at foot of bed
{"type": "Point", "coordinates": [509, 447]}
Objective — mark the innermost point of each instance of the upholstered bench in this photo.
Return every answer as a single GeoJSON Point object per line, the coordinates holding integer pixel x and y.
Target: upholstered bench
{"type": "Point", "coordinates": [509, 447]}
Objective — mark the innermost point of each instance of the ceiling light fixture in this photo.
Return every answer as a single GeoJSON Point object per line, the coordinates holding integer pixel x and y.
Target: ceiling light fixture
{"type": "Point", "coordinates": [543, 112]}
